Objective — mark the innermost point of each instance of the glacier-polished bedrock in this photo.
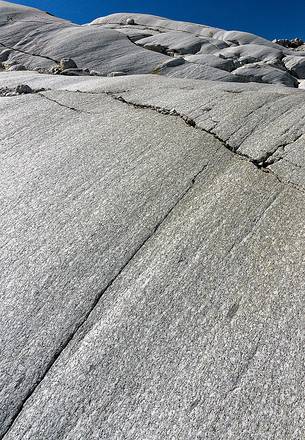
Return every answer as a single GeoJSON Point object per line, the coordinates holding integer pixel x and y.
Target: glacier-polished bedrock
{"type": "Point", "coordinates": [152, 231]}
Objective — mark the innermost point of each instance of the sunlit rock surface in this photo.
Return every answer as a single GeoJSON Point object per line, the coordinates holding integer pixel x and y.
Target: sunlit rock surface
{"type": "Point", "coordinates": [137, 44]}
{"type": "Point", "coordinates": [152, 231]}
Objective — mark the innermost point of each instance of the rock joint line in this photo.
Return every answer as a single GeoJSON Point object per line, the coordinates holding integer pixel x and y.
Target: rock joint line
{"type": "Point", "coordinates": [70, 337]}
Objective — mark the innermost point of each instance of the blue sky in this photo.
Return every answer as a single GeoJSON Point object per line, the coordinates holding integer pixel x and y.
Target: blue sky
{"type": "Point", "coordinates": [269, 18]}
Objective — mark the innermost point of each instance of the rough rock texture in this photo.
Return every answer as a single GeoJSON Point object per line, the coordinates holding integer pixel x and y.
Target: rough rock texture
{"type": "Point", "coordinates": [295, 65]}
{"type": "Point", "coordinates": [260, 72]}
{"type": "Point", "coordinates": [152, 234]}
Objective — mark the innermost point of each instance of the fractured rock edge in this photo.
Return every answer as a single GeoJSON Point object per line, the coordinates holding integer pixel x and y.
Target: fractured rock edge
{"type": "Point", "coordinates": [167, 112]}
{"type": "Point", "coordinates": [262, 163]}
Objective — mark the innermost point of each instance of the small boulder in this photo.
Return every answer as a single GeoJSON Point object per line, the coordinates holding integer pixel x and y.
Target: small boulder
{"type": "Point", "coordinates": [23, 89]}
{"type": "Point", "coordinates": [64, 64]}
{"type": "Point", "coordinates": [130, 21]}
{"type": "Point", "coordinates": [67, 63]}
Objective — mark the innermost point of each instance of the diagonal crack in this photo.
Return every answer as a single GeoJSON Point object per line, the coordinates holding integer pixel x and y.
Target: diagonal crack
{"type": "Point", "coordinates": [266, 160]}
{"type": "Point", "coordinates": [98, 297]}
{"type": "Point", "coordinates": [260, 163]}
{"type": "Point", "coordinates": [74, 109]}
{"type": "Point", "coordinates": [189, 121]}
{"type": "Point", "coordinates": [28, 53]}
{"type": "Point", "coordinates": [263, 163]}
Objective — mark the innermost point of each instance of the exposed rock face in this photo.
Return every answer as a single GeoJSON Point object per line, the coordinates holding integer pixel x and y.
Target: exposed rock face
{"type": "Point", "coordinates": [295, 65]}
{"type": "Point", "coordinates": [260, 72]}
{"type": "Point", "coordinates": [137, 44]}
{"type": "Point", "coordinates": [152, 231]}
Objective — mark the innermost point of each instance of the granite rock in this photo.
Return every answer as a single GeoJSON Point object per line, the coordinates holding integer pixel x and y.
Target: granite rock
{"type": "Point", "coordinates": [152, 232]}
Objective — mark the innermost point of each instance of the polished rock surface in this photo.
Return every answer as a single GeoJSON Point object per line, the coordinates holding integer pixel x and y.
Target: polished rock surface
{"type": "Point", "coordinates": [152, 232]}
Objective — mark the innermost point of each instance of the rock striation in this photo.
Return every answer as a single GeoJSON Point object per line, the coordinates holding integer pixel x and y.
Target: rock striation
{"type": "Point", "coordinates": [152, 203]}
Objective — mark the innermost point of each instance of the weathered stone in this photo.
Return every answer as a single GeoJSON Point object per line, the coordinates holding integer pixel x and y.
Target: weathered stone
{"type": "Point", "coordinates": [140, 203]}
{"type": "Point", "coordinates": [296, 65]}
{"type": "Point", "coordinates": [23, 89]}
{"type": "Point", "coordinates": [264, 73]}
{"type": "Point", "coordinates": [56, 39]}
{"type": "Point", "coordinates": [67, 63]}
{"type": "Point", "coordinates": [212, 60]}
{"type": "Point", "coordinates": [152, 229]}
{"type": "Point", "coordinates": [173, 42]}
{"type": "Point", "coordinates": [130, 21]}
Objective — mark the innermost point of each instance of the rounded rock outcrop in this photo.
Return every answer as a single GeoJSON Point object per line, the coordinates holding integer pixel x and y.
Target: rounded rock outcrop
{"type": "Point", "coordinates": [130, 21]}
